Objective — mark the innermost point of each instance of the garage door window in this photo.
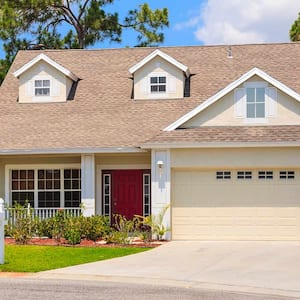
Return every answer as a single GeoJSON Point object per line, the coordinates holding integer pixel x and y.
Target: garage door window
{"type": "Point", "coordinates": [287, 174]}
{"type": "Point", "coordinates": [265, 174]}
{"type": "Point", "coordinates": [244, 175]}
{"type": "Point", "coordinates": [223, 175]}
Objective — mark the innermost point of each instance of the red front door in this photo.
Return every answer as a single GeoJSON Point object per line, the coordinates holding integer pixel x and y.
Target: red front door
{"type": "Point", "coordinates": [127, 193]}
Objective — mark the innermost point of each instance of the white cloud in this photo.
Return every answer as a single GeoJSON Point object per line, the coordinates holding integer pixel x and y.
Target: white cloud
{"type": "Point", "coordinates": [241, 21]}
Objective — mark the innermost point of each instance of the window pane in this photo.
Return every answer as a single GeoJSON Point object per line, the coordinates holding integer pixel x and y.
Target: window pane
{"type": "Point", "coordinates": [75, 184]}
{"type": "Point", "coordinates": [23, 185]}
{"type": "Point", "coordinates": [41, 185]}
{"type": "Point", "coordinates": [39, 92]}
{"type": "Point", "coordinates": [162, 88]}
{"type": "Point", "coordinates": [46, 83]}
{"type": "Point", "coordinates": [250, 110]}
{"type": "Point", "coordinates": [250, 94]}
{"type": "Point", "coordinates": [49, 184]}
{"type": "Point", "coordinates": [23, 174]}
{"type": "Point", "coordinates": [153, 79]}
{"type": "Point", "coordinates": [106, 179]}
{"type": "Point", "coordinates": [154, 88]}
{"type": "Point", "coordinates": [67, 174]}
{"type": "Point", "coordinates": [260, 110]}
{"type": "Point", "coordinates": [56, 184]}
{"type": "Point", "coordinates": [30, 185]}
{"type": "Point", "coordinates": [162, 79]}
{"type": "Point", "coordinates": [15, 185]}
{"type": "Point", "coordinates": [75, 173]}
{"type": "Point", "coordinates": [41, 174]}
{"type": "Point", "coordinates": [49, 174]}
{"type": "Point", "coordinates": [260, 95]}
{"type": "Point", "coordinates": [30, 174]}
{"type": "Point", "coordinates": [15, 174]}
{"type": "Point", "coordinates": [67, 184]}
{"type": "Point", "coordinates": [46, 92]}
{"type": "Point", "coordinates": [38, 83]}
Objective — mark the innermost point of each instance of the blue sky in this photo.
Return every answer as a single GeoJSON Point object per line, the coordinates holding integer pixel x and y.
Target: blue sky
{"type": "Point", "coordinates": [211, 22]}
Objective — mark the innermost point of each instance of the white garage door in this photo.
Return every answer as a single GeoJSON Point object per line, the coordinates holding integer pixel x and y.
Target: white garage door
{"type": "Point", "coordinates": [236, 205]}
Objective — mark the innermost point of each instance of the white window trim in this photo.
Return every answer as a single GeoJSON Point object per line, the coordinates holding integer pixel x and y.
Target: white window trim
{"type": "Point", "coordinates": [42, 98]}
{"type": "Point", "coordinates": [109, 195]}
{"type": "Point", "coordinates": [149, 194]}
{"type": "Point", "coordinates": [256, 84]}
{"type": "Point", "coordinates": [34, 167]}
{"type": "Point", "coordinates": [157, 94]}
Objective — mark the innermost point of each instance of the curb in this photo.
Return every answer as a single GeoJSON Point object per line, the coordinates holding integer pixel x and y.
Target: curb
{"type": "Point", "coordinates": [173, 283]}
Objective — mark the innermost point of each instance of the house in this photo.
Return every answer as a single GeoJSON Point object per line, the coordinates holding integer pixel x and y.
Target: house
{"type": "Point", "coordinates": [214, 131]}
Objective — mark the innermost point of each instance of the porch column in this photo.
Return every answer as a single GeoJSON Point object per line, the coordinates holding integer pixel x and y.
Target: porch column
{"type": "Point", "coordinates": [161, 185]}
{"type": "Point", "coordinates": [88, 184]}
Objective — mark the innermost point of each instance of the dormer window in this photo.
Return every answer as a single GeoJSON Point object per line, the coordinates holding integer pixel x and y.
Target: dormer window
{"type": "Point", "coordinates": [158, 84]}
{"type": "Point", "coordinates": [42, 87]}
{"type": "Point", "coordinates": [255, 98]}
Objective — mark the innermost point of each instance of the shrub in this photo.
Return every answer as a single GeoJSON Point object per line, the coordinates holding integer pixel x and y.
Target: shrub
{"type": "Point", "coordinates": [94, 227]}
{"type": "Point", "coordinates": [124, 231]}
{"type": "Point", "coordinates": [72, 231]}
{"type": "Point", "coordinates": [155, 222]}
{"type": "Point", "coordinates": [23, 228]}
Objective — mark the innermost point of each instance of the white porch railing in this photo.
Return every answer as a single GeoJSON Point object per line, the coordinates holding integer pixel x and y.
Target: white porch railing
{"type": "Point", "coordinates": [10, 214]}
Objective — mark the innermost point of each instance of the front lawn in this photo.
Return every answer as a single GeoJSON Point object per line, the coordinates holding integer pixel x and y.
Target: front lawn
{"type": "Point", "coordinates": [25, 258]}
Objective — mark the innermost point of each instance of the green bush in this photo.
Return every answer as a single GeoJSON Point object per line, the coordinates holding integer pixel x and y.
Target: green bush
{"type": "Point", "coordinates": [72, 231]}
{"type": "Point", "coordinates": [124, 231]}
{"type": "Point", "coordinates": [23, 228]}
{"type": "Point", "coordinates": [95, 227]}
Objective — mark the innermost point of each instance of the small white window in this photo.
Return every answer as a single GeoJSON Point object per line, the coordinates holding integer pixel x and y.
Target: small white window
{"type": "Point", "coordinates": [265, 174]}
{"type": "Point", "coordinates": [255, 98]}
{"type": "Point", "coordinates": [244, 175]}
{"type": "Point", "coordinates": [42, 87]}
{"type": "Point", "coordinates": [158, 84]}
{"type": "Point", "coordinates": [223, 175]}
{"type": "Point", "coordinates": [287, 174]}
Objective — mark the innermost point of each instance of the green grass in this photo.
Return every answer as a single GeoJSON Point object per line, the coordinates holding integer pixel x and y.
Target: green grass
{"type": "Point", "coordinates": [24, 258]}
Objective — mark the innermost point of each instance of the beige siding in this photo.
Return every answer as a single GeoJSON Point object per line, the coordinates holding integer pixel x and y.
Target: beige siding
{"type": "Point", "coordinates": [221, 113]}
{"type": "Point", "coordinates": [60, 84]}
{"type": "Point", "coordinates": [123, 159]}
{"type": "Point", "coordinates": [158, 65]}
{"type": "Point", "coordinates": [236, 157]}
{"type": "Point", "coordinates": [204, 208]}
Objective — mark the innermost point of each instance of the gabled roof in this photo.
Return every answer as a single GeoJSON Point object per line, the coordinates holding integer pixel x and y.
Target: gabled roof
{"type": "Point", "coordinates": [102, 114]}
{"type": "Point", "coordinates": [164, 56]}
{"type": "Point", "coordinates": [48, 60]}
{"type": "Point", "coordinates": [228, 89]}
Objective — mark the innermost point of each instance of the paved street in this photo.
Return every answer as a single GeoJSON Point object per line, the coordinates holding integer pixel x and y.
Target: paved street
{"type": "Point", "coordinates": [36, 289]}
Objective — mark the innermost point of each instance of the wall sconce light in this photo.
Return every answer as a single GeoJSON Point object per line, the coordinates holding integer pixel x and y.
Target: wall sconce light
{"type": "Point", "coordinates": [160, 165]}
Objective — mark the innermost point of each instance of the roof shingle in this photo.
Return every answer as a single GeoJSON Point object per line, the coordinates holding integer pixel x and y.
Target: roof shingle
{"type": "Point", "coordinates": [103, 114]}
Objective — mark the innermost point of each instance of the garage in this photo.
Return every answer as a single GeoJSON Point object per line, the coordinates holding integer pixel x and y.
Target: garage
{"type": "Point", "coordinates": [235, 204]}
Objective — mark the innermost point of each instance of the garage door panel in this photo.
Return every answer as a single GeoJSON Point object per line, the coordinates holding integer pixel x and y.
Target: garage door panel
{"type": "Point", "coordinates": [207, 209]}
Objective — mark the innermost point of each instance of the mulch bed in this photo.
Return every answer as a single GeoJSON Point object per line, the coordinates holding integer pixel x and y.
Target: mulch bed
{"type": "Point", "coordinates": [85, 243]}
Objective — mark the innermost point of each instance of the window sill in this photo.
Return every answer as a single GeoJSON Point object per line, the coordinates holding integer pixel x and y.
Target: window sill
{"type": "Point", "coordinates": [256, 120]}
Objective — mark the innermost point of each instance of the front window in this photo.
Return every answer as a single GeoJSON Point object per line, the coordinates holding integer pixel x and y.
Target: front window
{"type": "Point", "coordinates": [255, 102]}
{"type": "Point", "coordinates": [46, 188]}
{"type": "Point", "coordinates": [158, 84]}
{"type": "Point", "coordinates": [22, 187]}
{"type": "Point", "coordinates": [42, 87]}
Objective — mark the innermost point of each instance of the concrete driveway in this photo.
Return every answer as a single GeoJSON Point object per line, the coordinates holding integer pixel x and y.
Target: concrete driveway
{"type": "Point", "coordinates": [260, 267]}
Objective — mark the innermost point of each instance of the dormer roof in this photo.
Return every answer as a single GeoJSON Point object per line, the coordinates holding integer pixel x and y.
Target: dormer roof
{"type": "Point", "coordinates": [164, 56]}
{"type": "Point", "coordinates": [228, 89]}
{"type": "Point", "coordinates": [45, 58]}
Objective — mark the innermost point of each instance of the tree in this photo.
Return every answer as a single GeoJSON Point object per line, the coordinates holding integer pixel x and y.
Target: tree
{"type": "Point", "coordinates": [295, 30]}
{"type": "Point", "coordinates": [27, 22]}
